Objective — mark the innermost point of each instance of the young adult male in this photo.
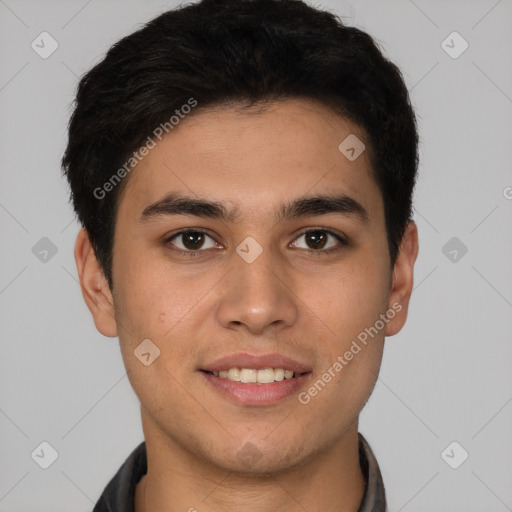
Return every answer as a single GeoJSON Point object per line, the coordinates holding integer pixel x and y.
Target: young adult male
{"type": "Point", "coordinates": [243, 171]}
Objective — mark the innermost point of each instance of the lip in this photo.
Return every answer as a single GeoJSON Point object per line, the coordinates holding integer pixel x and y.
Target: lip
{"type": "Point", "coordinates": [257, 362]}
{"type": "Point", "coordinates": [254, 395]}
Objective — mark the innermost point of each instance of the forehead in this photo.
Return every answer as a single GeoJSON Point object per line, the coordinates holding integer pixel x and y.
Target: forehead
{"type": "Point", "coordinates": [254, 157]}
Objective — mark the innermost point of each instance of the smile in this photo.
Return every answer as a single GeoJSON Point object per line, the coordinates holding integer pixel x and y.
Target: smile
{"type": "Point", "coordinates": [252, 376]}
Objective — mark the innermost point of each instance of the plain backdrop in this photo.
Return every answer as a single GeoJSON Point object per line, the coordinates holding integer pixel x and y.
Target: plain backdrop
{"type": "Point", "coordinates": [445, 378]}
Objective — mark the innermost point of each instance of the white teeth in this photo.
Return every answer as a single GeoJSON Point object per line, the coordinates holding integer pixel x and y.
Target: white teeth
{"type": "Point", "coordinates": [278, 374]}
{"type": "Point", "coordinates": [265, 376]}
{"type": "Point", "coordinates": [234, 374]}
{"type": "Point", "coordinates": [249, 375]}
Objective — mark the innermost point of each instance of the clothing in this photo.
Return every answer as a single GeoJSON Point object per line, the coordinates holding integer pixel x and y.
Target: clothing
{"type": "Point", "coordinates": [119, 494]}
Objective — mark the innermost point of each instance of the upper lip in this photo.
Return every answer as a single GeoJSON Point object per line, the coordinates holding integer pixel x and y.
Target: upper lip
{"type": "Point", "coordinates": [258, 362]}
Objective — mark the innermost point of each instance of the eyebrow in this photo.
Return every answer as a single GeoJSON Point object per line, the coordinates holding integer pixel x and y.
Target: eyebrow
{"type": "Point", "coordinates": [306, 206]}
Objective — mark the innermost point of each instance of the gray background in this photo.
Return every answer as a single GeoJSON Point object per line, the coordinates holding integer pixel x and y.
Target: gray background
{"type": "Point", "coordinates": [446, 377]}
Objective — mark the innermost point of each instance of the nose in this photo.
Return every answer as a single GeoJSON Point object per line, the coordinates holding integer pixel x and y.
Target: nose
{"type": "Point", "coordinates": [258, 296]}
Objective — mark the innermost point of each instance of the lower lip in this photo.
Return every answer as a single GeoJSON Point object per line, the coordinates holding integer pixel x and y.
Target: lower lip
{"type": "Point", "coordinates": [256, 394]}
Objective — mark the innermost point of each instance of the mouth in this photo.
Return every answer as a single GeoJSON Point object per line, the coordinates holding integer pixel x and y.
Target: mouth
{"type": "Point", "coordinates": [250, 380]}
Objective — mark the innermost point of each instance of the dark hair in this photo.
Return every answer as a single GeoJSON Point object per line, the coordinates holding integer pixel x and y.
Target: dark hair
{"type": "Point", "coordinates": [219, 52]}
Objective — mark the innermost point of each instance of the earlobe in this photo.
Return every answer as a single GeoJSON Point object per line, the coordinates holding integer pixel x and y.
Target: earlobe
{"type": "Point", "coordinates": [95, 289]}
{"type": "Point", "coordinates": [403, 279]}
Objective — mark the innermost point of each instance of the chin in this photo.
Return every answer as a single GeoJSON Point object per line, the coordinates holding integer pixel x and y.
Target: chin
{"type": "Point", "coordinates": [256, 458]}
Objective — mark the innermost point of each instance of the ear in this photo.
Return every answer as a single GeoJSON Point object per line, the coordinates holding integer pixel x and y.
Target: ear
{"type": "Point", "coordinates": [403, 276]}
{"type": "Point", "coordinates": [94, 285]}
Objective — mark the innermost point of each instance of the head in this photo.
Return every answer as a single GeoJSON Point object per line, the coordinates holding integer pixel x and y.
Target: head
{"type": "Point", "coordinates": [230, 119]}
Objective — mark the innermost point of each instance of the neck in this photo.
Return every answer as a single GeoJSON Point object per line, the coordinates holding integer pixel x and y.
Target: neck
{"type": "Point", "coordinates": [177, 481]}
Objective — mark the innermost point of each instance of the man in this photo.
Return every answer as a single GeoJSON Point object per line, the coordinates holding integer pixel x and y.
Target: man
{"type": "Point", "coordinates": [243, 171]}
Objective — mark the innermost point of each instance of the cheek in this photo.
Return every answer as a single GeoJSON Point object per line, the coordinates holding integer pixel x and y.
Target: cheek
{"type": "Point", "coordinates": [354, 298]}
{"type": "Point", "coordinates": [148, 308]}
{"type": "Point", "coordinates": [360, 298]}
{"type": "Point", "coordinates": [149, 302]}
{"type": "Point", "coordinates": [153, 303]}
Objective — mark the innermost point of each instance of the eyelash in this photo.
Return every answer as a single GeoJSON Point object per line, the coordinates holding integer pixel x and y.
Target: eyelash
{"type": "Point", "coordinates": [317, 252]}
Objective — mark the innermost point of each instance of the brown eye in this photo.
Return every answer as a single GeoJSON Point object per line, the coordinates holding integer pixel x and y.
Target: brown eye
{"type": "Point", "coordinates": [190, 241]}
{"type": "Point", "coordinates": [317, 240]}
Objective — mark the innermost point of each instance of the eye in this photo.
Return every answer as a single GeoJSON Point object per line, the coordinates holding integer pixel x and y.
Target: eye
{"type": "Point", "coordinates": [317, 240]}
{"type": "Point", "coordinates": [191, 241]}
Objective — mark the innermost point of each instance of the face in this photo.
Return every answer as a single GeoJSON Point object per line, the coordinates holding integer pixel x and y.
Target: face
{"type": "Point", "coordinates": [255, 283]}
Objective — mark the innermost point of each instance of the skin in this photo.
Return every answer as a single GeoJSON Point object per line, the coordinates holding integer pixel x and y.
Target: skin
{"type": "Point", "coordinates": [308, 306]}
